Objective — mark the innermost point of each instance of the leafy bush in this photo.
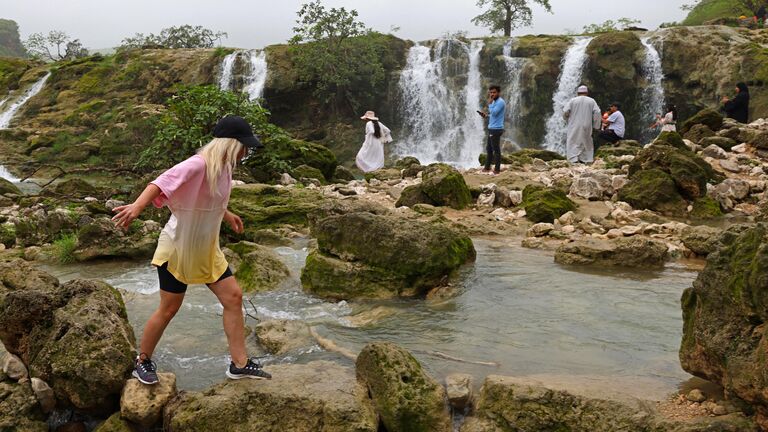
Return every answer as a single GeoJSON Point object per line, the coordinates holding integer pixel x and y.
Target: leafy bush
{"type": "Point", "coordinates": [611, 26]}
{"type": "Point", "coordinates": [184, 36]}
{"type": "Point", "coordinates": [64, 248]}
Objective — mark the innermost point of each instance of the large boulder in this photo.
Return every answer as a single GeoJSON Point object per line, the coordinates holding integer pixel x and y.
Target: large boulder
{"type": "Point", "coordinates": [101, 238]}
{"type": "Point", "coordinates": [71, 188]}
{"type": "Point", "coordinates": [653, 189]}
{"type": "Point", "coordinates": [512, 404]}
{"type": "Point", "coordinates": [74, 336]}
{"type": "Point", "coordinates": [280, 152]}
{"type": "Point", "coordinates": [689, 172]}
{"type": "Point", "coordinates": [673, 139]}
{"type": "Point", "coordinates": [7, 187]}
{"type": "Point", "coordinates": [143, 404]}
{"type": "Point", "coordinates": [316, 397]}
{"type": "Point", "coordinates": [37, 226]}
{"type": "Point", "coordinates": [698, 132]}
{"type": "Point", "coordinates": [544, 204]}
{"type": "Point", "coordinates": [405, 397]}
{"type": "Point", "coordinates": [366, 255]}
{"type": "Point", "coordinates": [441, 185]}
{"type": "Point", "coordinates": [708, 117]}
{"type": "Point", "coordinates": [702, 239]}
{"type": "Point", "coordinates": [19, 410]}
{"type": "Point", "coordinates": [308, 172]}
{"type": "Point", "coordinates": [725, 336]}
{"type": "Point", "coordinates": [257, 268]}
{"type": "Point", "coordinates": [628, 252]}
{"type": "Point", "coordinates": [282, 336]}
{"type": "Point", "coordinates": [592, 185]}
{"type": "Point", "coordinates": [722, 142]}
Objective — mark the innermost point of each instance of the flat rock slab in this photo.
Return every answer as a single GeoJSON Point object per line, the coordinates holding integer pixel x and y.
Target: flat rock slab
{"type": "Point", "coordinates": [316, 397]}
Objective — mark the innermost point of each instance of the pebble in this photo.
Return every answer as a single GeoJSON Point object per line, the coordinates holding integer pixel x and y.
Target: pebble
{"type": "Point", "coordinates": [696, 395]}
{"type": "Point", "coordinates": [730, 165]}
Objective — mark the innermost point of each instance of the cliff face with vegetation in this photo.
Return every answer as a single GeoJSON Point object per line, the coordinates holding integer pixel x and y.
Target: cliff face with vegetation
{"type": "Point", "coordinates": [10, 42]}
{"type": "Point", "coordinates": [709, 11]}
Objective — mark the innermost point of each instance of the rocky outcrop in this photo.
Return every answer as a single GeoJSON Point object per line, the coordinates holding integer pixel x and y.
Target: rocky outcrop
{"type": "Point", "coordinates": [628, 252]}
{"type": "Point", "coordinates": [100, 238]}
{"type": "Point", "coordinates": [142, 404]}
{"type": "Point", "coordinates": [10, 41]}
{"type": "Point", "coordinates": [725, 314]}
{"type": "Point", "coordinates": [544, 204]}
{"type": "Point", "coordinates": [304, 158]}
{"type": "Point", "coordinates": [263, 206]}
{"type": "Point", "coordinates": [282, 336]}
{"type": "Point", "coordinates": [257, 268]}
{"type": "Point", "coordinates": [405, 397]}
{"type": "Point", "coordinates": [7, 187]}
{"type": "Point", "coordinates": [653, 189]}
{"type": "Point", "coordinates": [689, 172]}
{"type": "Point", "coordinates": [317, 397]}
{"type": "Point", "coordinates": [702, 240]}
{"type": "Point", "coordinates": [19, 410]}
{"type": "Point", "coordinates": [366, 255]}
{"type": "Point", "coordinates": [510, 404]}
{"type": "Point", "coordinates": [74, 336]}
{"type": "Point", "coordinates": [441, 185]}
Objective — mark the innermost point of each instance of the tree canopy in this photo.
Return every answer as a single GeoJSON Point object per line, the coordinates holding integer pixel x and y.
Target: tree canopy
{"type": "Point", "coordinates": [184, 36]}
{"type": "Point", "coordinates": [506, 15]}
{"type": "Point", "coordinates": [55, 46]}
{"type": "Point", "coordinates": [611, 25]}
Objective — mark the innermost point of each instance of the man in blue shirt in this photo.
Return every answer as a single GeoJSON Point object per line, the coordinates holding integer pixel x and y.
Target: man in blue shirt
{"type": "Point", "coordinates": [496, 110]}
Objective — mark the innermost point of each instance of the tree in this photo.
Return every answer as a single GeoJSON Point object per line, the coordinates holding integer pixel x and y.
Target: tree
{"type": "Point", "coordinates": [507, 14]}
{"type": "Point", "coordinates": [337, 54]}
{"type": "Point", "coordinates": [55, 46]}
{"type": "Point", "coordinates": [611, 25]}
{"type": "Point", "coordinates": [185, 36]}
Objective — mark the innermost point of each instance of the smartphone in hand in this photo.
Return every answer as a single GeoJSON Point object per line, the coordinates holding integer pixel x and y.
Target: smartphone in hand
{"type": "Point", "coordinates": [482, 114]}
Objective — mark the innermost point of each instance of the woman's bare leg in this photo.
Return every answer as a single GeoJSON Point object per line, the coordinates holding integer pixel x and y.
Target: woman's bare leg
{"type": "Point", "coordinates": [153, 330]}
{"type": "Point", "coordinates": [231, 297]}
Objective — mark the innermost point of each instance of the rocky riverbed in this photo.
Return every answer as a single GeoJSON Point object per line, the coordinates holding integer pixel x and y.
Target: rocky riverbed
{"type": "Point", "coordinates": [438, 261]}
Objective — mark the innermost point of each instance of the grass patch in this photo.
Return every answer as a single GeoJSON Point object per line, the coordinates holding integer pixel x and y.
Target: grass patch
{"type": "Point", "coordinates": [708, 10]}
{"type": "Point", "coordinates": [64, 248]}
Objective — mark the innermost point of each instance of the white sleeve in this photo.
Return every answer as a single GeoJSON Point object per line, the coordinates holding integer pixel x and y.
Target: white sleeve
{"type": "Point", "coordinates": [369, 128]}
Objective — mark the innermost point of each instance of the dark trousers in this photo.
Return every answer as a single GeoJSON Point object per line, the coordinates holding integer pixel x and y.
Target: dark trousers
{"type": "Point", "coordinates": [610, 136]}
{"type": "Point", "coordinates": [493, 149]}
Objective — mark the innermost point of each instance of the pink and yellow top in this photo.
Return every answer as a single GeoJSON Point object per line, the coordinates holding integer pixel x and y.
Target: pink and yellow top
{"type": "Point", "coordinates": [189, 243]}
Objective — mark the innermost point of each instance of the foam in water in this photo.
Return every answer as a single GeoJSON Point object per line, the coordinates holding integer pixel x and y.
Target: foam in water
{"type": "Point", "coordinates": [5, 174]}
{"type": "Point", "coordinates": [227, 67]}
{"type": "Point", "coordinates": [653, 93]}
{"type": "Point", "coordinates": [257, 74]}
{"type": "Point", "coordinates": [571, 72]}
{"type": "Point", "coordinates": [513, 91]}
{"type": "Point", "coordinates": [7, 115]}
{"type": "Point", "coordinates": [439, 123]}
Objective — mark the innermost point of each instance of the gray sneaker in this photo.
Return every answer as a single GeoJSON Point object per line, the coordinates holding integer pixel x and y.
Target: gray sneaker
{"type": "Point", "coordinates": [252, 369]}
{"type": "Point", "coordinates": [145, 371]}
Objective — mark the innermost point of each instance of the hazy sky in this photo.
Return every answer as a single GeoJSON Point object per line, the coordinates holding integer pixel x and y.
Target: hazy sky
{"type": "Point", "coordinates": [255, 23]}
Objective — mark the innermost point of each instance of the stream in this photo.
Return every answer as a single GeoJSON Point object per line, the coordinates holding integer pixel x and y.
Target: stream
{"type": "Point", "coordinates": [601, 329]}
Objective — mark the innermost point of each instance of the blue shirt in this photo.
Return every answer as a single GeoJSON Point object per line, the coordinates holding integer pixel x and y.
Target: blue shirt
{"type": "Point", "coordinates": [497, 109]}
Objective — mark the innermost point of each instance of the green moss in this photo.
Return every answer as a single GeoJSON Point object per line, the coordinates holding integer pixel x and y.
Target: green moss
{"type": "Point", "coordinates": [707, 117]}
{"type": "Point", "coordinates": [262, 206]}
{"type": "Point", "coordinates": [708, 10]}
{"type": "Point", "coordinates": [706, 208]}
{"type": "Point", "coordinates": [545, 205]}
{"type": "Point", "coordinates": [653, 189]}
{"type": "Point", "coordinates": [445, 186]}
{"type": "Point", "coordinates": [8, 234]}
{"type": "Point", "coordinates": [11, 71]}
{"type": "Point", "coordinates": [306, 171]}
{"type": "Point", "coordinates": [672, 138]}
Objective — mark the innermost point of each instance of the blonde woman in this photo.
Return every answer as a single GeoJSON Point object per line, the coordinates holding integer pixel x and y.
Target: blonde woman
{"type": "Point", "coordinates": [371, 154]}
{"type": "Point", "coordinates": [197, 193]}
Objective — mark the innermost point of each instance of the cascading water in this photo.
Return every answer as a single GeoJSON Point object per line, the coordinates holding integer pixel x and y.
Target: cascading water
{"type": "Point", "coordinates": [227, 68]}
{"type": "Point", "coordinates": [257, 74]}
{"type": "Point", "coordinates": [439, 123]}
{"type": "Point", "coordinates": [653, 93]}
{"type": "Point", "coordinates": [513, 91]}
{"type": "Point", "coordinates": [571, 71]}
{"type": "Point", "coordinates": [253, 80]}
{"type": "Point", "coordinates": [5, 174]}
{"type": "Point", "coordinates": [7, 115]}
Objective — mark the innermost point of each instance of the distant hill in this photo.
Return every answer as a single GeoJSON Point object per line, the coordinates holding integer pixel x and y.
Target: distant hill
{"type": "Point", "coordinates": [10, 42]}
{"type": "Point", "coordinates": [708, 10]}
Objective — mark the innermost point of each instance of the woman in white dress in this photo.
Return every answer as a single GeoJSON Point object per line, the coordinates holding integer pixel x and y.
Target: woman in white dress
{"type": "Point", "coordinates": [371, 155]}
{"type": "Point", "coordinates": [669, 120]}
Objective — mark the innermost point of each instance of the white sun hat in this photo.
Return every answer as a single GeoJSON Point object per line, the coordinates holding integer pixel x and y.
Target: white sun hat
{"type": "Point", "coordinates": [369, 115]}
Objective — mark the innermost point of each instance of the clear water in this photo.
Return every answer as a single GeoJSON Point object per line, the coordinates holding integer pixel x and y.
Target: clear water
{"type": "Point", "coordinates": [7, 115]}
{"type": "Point", "coordinates": [513, 92]}
{"type": "Point", "coordinates": [257, 74]}
{"type": "Point", "coordinates": [602, 329]}
{"type": "Point", "coordinates": [440, 123]}
{"type": "Point", "coordinates": [227, 68]}
{"type": "Point", "coordinates": [653, 93]}
{"type": "Point", "coordinates": [571, 72]}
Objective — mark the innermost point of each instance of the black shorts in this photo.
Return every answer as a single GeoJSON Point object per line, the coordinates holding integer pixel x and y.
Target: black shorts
{"type": "Point", "coordinates": [169, 283]}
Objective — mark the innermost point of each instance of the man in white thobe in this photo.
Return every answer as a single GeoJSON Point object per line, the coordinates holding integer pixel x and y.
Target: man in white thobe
{"type": "Point", "coordinates": [582, 115]}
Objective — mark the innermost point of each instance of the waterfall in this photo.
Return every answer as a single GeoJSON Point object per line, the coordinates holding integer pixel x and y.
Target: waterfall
{"type": "Point", "coordinates": [439, 123]}
{"type": "Point", "coordinates": [513, 92]}
{"type": "Point", "coordinates": [7, 115]}
{"type": "Point", "coordinates": [571, 71]}
{"type": "Point", "coordinates": [253, 80]}
{"type": "Point", "coordinates": [257, 74]}
{"type": "Point", "coordinates": [227, 67]}
{"type": "Point", "coordinates": [653, 93]}
{"type": "Point", "coordinates": [5, 174]}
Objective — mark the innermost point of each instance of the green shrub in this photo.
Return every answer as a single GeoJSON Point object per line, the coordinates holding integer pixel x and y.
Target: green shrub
{"type": "Point", "coordinates": [64, 248]}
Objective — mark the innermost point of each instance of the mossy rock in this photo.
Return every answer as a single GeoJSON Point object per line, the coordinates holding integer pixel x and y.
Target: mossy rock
{"type": "Point", "coordinates": [406, 162]}
{"type": "Point", "coordinates": [8, 234]}
{"type": "Point", "coordinates": [308, 172]}
{"type": "Point", "coordinates": [545, 155]}
{"type": "Point", "coordinates": [384, 174]}
{"type": "Point", "coordinates": [74, 188]}
{"type": "Point", "coordinates": [616, 150]}
{"type": "Point", "coordinates": [689, 172]}
{"type": "Point", "coordinates": [269, 163]}
{"type": "Point", "coordinates": [413, 195]}
{"type": "Point", "coordinates": [545, 205]}
{"type": "Point", "coordinates": [445, 186]}
{"type": "Point", "coordinates": [259, 268]}
{"type": "Point", "coordinates": [698, 132]}
{"type": "Point", "coordinates": [116, 424]}
{"type": "Point", "coordinates": [724, 143]}
{"type": "Point", "coordinates": [673, 139]}
{"type": "Point", "coordinates": [653, 189]}
{"type": "Point", "coordinates": [706, 208]}
{"type": "Point", "coordinates": [7, 187]}
{"type": "Point", "coordinates": [343, 175]}
{"type": "Point", "coordinates": [405, 397]}
{"type": "Point", "coordinates": [708, 117]}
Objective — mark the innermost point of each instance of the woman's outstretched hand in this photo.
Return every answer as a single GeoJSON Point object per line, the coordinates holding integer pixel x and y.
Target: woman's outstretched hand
{"type": "Point", "coordinates": [234, 222]}
{"type": "Point", "coordinates": [126, 214]}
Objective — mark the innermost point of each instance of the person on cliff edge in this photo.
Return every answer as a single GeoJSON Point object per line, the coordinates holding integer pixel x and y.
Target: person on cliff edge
{"type": "Point", "coordinates": [197, 193]}
{"type": "Point", "coordinates": [497, 108]}
{"type": "Point", "coordinates": [583, 115]}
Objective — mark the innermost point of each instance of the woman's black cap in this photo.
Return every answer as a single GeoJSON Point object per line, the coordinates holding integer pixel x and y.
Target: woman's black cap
{"type": "Point", "coordinates": [236, 127]}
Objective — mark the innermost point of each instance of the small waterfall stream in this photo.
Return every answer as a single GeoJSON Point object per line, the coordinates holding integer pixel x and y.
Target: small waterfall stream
{"type": "Point", "coordinates": [571, 71]}
{"type": "Point", "coordinates": [440, 124]}
{"type": "Point", "coordinates": [253, 78]}
{"type": "Point", "coordinates": [7, 115]}
{"type": "Point", "coordinates": [653, 93]}
{"type": "Point", "coordinates": [513, 92]}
